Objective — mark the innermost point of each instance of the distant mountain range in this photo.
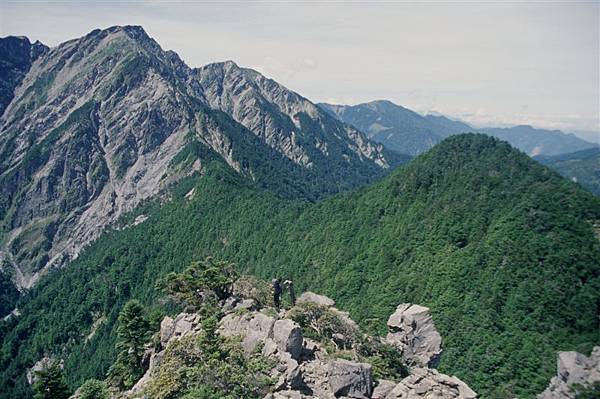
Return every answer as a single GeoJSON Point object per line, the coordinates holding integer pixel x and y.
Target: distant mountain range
{"type": "Point", "coordinates": [582, 167]}
{"type": "Point", "coordinates": [408, 132]}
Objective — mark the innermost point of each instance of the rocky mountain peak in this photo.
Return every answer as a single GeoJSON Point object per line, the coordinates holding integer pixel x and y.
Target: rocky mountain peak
{"type": "Point", "coordinates": [283, 119]}
{"type": "Point", "coordinates": [92, 126]}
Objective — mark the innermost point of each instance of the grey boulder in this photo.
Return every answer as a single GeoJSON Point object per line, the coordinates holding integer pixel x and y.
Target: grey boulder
{"type": "Point", "coordinates": [383, 388]}
{"type": "Point", "coordinates": [253, 328]}
{"type": "Point", "coordinates": [311, 297]}
{"type": "Point", "coordinates": [288, 337]}
{"type": "Point", "coordinates": [429, 383]}
{"type": "Point", "coordinates": [350, 379]}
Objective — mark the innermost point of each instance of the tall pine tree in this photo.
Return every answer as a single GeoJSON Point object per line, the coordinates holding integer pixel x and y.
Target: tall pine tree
{"type": "Point", "coordinates": [132, 334]}
{"type": "Point", "coordinates": [50, 383]}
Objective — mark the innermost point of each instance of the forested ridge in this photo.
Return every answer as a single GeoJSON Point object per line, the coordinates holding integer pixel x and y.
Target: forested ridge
{"type": "Point", "coordinates": [502, 250]}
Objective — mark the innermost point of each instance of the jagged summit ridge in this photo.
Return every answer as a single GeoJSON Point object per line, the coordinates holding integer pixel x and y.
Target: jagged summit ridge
{"type": "Point", "coordinates": [18, 55]}
{"type": "Point", "coordinates": [281, 119]}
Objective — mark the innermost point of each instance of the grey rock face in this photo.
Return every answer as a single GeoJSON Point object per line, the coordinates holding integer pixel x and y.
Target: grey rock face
{"type": "Point", "coordinates": [288, 336]}
{"type": "Point", "coordinates": [428, 383]}
{"type": "Point", "coordinates": [254, 329]}
{"type": "Point", "coordinates": [280, 340]}
{"type": "Point", "coordinates": [350, 379]}
{"type": "Point", "coordinates": [573, 368]}
{"type": "Point", "coordinates": [383, 388]}
{"type": "Point", "coordinates": [315, 298]}
{"type": "Point", "coordinates": [102, 121]}
{"type": "Point", "coordinates": [182, 325]}
{"type": "Point", "coordinates": [283, 119]}
{"type": "Point", "coordinates": [412, 330]}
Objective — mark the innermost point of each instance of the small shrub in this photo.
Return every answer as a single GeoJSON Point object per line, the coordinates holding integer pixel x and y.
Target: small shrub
{"type": "Point", "coordinates": [253, 288]}
{"type": "Point", "coordinates": [201, 285]}
{"type": "Point", "coordinates": [93, 389]}
{"type": "Point", "coordinates": [320, 322]}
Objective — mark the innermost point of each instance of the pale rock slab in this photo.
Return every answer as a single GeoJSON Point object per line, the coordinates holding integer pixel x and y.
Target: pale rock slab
{"type": "Point", "coordinates": [424, 383]}
{"type": "Point", "coordinates": [311, 297]}
{"type": "Point", "coordinates": [572, 368]}
{"type": "Point", "coordinates": [412, 330]}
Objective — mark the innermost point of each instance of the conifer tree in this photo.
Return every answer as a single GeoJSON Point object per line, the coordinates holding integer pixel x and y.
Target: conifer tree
{"type": "Point", "coordinates": [50, 383]}
{"type": "Point", "coordinates": [132, 334]}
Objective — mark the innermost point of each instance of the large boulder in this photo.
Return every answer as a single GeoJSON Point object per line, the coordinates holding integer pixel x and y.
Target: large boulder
{"type": "Point", "coordinates": [573, 368]}
{"type": "Point", "coordinates": [429, 383]}
{"type": "Point", "coordinates": [287, 373]}
{"type": "Point", "coordinates": [315, 298]}
{"type": "Point", "coordinates": [254, 328]}
{"type": "Point", "coordinates": [411, 329]}
{"type": "Point", "coordinates": [182, 325]}
{"type": "Point", "coordinates": [288, 337]}
{"type": "Point", "coordinates": [350, 379]}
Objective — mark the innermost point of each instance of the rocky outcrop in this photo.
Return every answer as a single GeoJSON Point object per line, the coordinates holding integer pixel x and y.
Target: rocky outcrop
{"type": "Point", "coordinates": [573, 368]}
{"type": "Point", "coordinates": [40, 365]}
{"type": "Point", "coordinates": [184, 324]}
{"type": "Point", "coordinates": [304, 368]}
{"type": "Point", "coordinates": [311, 297]}
{"type": "Point", "coordinates": [254, 328]}
{"type": "Point", "coordinates": [412, 330]}
{"type": "Point", "coordinates": [429, 383]}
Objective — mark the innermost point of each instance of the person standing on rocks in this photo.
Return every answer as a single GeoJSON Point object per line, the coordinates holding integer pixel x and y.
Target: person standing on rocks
{"type": "Point", "coordinates": [276, 291]}
{"type": "Point", "coordinates": [289, 285]}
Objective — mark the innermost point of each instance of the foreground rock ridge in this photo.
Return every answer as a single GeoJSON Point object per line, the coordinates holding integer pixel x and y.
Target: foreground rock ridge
{"type": "Point", "coordinates": [94, 126]}
{"type": "Point", "coordinates": [305, 368]}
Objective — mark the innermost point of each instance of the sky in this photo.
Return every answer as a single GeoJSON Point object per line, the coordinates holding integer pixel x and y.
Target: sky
{"type": "Point", "coordinates": [490, 63]}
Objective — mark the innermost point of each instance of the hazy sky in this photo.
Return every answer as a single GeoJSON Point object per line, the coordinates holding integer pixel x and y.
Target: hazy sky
{"type": "Point", "coordinates": [485, 62]}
